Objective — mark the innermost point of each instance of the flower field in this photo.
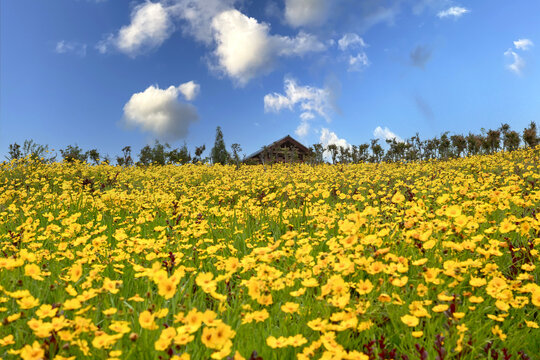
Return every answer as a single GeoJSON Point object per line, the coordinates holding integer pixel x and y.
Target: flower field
{"type": "Point", "coordinates": [431, 260]}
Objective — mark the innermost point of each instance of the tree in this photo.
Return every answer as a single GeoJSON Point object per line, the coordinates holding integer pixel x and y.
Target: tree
{"type": "Point", "coordinates": [126, 159]}
{"type": "Point", "coordinates": [145, 156]}
{"type": "Point", "coordinates": [459, 144]}
{"type": "Point", "coordinates": [376, 150]}
{"type": "Point", "coordinates": [199, 150]}
{"type": "Point", "coordinates": [493, 140]}
{"type": "Point", "coordinates": [179, 156]}
{"type": "Point", "coordinates": [236, 149]}
{"type": "Point", "coordinates": [158, 154]}
{"type": "Point", "coordinates": [511, 140]}
{"type": "Point", "coordinates": [93, 155]}
{"type": "Point", "coordinates": [219, 151]}
{"type": "Point", "coordinates": [29, 149]}
{"type": "Point", "coordinates": [333, 150]}
{"type": "Point", "coordinates": [474, 144]}
{"type": "Point", "coordinates": [15, 152]}
{"type": "Point", "coordinates": [73, 153]}
{"type": "Point", "coordinates": [504, 129]}
{"type": "Point", "coordinates": [529, 135]}
{"type": "Point", "coordinates": [318, 151]}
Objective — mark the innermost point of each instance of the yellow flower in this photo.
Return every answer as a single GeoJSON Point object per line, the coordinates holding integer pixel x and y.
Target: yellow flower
{"type": "Point", "coordinates": [28, 302]}
{"type": "Point", "coordinates": [72, 304]}
{"type": "Point", "coordinates": [110, 311]}
{"type": "Point", "coordinates": [167, 288]}
{"type": "Point", "coordinates": [477, 282]}
{"type": "Point", "coordinates": [535, 297]}
{"type": "Point", "coordinates": [290, 307]}
{"type": "Point", "coordinates": [410, 320]}
{"type": "Point", "coordinates": [146, 320]}
{"type": "Point", "coordinates": [33, 271]}
{"type": "Point", "coordinates": [531, 324]}
{"type": "Point", "coordinates": [46, 311]}
{"type": "Point", "coordinates": [8, 340]}
{"type": "Point", "coordinates": [453, 211]}
{"type": "Point", "coordinates": [506, 226]}
{"type": "Point", "coordinates": [193, 320]}
{"type": "Point", "coordinates": [32, 352]}
{"type": "Point", "coordinates": [398, 198]}
{"type": "Point", "coordinates": [364, 287]}
{"type": "Point", "coordinates": [121, 327]}
{"type": "Point", "coordinates": [75, 272]}
{"type": "Point", "coordinates": [496, 330]}
{"type": "Point", "coordinates": [440, 308]}
{"type": "Point", "coordinates": [165, 339]}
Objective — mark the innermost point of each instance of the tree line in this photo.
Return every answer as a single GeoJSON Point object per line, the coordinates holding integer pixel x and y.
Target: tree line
{"type": "Point", "coordinates": [442, 147]}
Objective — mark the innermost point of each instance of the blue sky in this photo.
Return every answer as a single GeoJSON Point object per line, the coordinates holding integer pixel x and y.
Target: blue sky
{"type": "Point", "coordinates": [106, 74]}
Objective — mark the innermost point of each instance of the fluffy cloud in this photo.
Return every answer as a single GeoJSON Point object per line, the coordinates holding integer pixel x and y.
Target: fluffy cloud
{"type": "Point", "coordinates": [65, 47]}
{"type": "Point", "coordinates": [330, 138]}
{"type": "Point", "coordinates": [303, 129]}
{"type": "Point", "coordinates": [159, 112]}
{"type": "Point", "coordinates": [385, 134]}
{"type": "Point", "coordinates": [190, 90]}
{"type": "Point", "coordinates": [245, 47]}
{"type": "Point", "coordinates": [350, 40]}
{"type": "Point", "coordinates": [150, 26]}
{"type": "Point", "coordinates": [454, 11]}
{"type": "Point", "coordinates": [198, 15]}
{"type": "Point", "coordinates": [306, 12]}
{"type": "Point", "coordinates": [420, 56]}
{"type": "Point", "coordinates": [358, 62]}
{"type": "Point", "coordinates": [311, 100]}
{"type": "Point", "coordinates": [523, 44]}
{"type": "Point", "coordinates": [518, 64]}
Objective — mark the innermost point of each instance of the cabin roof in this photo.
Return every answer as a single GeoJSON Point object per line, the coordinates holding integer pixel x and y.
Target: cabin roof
{"type": "Point", "coordinates": [277, 143]}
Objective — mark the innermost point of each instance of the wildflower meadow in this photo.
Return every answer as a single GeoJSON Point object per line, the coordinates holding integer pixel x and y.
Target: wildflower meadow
{"type": "Point", "coordinates": [424, 260]}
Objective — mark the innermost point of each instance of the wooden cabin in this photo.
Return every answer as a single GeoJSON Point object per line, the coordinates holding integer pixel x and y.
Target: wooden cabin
{"type": "Point", "coordinates": [285, 149]}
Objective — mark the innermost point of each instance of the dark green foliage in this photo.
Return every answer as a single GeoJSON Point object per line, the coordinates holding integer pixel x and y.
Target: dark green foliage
{"type": "Point", "coordinates": [219, 153]}
{"type": "Point", "coordinates": [161, 154]}
{"type": "Point", "coordinates": [94, 156]}
{"type": "Point", "coordinates": [126, 159]}
{"type": "Point", "coordinates": [74, 153]}
{"type": "Point", "coordinates": [529, 135]}
{"type": "Point", "coordinates": [29, 149]}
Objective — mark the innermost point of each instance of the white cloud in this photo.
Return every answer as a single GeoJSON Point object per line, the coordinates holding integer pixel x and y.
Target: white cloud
{"type": "Point", "coordinates": [306, 12]}
{"type": "Point", "coordinates": [245, 47]}
{"type": "Point", "coordinates": [311, 100]}
{"type": "Point", "coordinates": [518, 64]}
{"type": "Point", "coordinates": [198, 15]}
{"type": "Point", "coordinates": [73, 47]}
{"type": "Point", "coordinates": [190, 90]}
{"type": "Point", "coordinates": [454, 11]}
{"type": "Point", "coordinates": [385, 134]}
{"type": "Point", "coordinates": [358, 62]}
{"type": "Point", "coordinates": [299, 45]}
{"type": "Point", "coordinates": [150, 26]}
{"type": "Point", "coordinates": [159, 112]}
{"type": "Point", "coordinates": [350, 40]}
{"type": "Point", "coordinates": [523, 44]}
{"type": "Point", "coordinates": [303, 129]}
{"type": "Point", "coordinates": [330, 138]}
